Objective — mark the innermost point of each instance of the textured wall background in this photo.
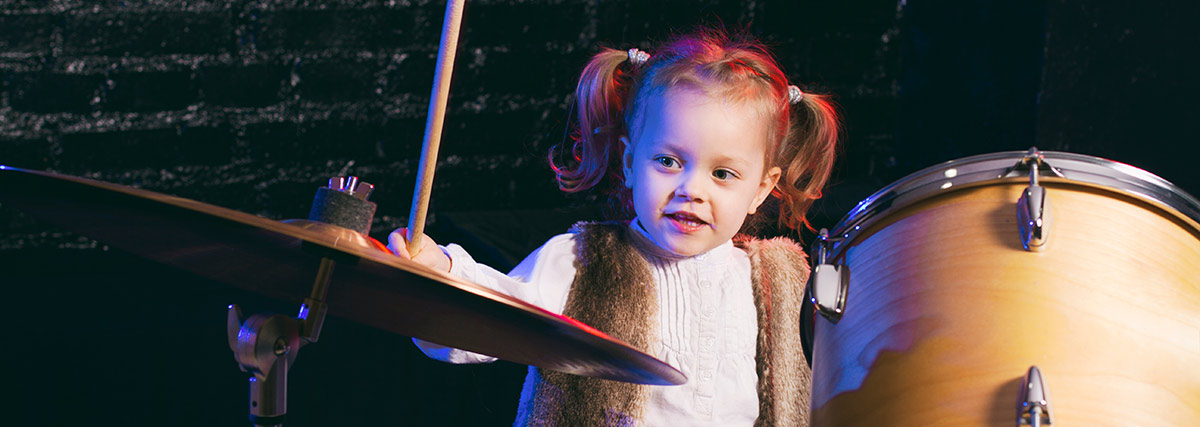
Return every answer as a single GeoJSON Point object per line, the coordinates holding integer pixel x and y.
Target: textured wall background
{"type": "Point", "coordinates": [252, 104]}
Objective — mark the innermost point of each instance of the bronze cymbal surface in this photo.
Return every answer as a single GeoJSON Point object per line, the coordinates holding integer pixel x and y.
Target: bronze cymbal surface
{"type": "Point", "coordinates": [369, 285]}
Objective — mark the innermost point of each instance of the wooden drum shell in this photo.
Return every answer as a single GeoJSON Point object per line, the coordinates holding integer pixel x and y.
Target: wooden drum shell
{"type": "Point", "coordinates": [945, 312]}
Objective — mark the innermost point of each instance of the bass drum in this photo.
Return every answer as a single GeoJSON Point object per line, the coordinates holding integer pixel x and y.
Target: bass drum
{"type": "Point", "coordinates": [941, 291]}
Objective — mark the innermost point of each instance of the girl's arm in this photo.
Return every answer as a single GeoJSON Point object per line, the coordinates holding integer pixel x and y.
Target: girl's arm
{"type": "Point", "coordinates": [542, 279]}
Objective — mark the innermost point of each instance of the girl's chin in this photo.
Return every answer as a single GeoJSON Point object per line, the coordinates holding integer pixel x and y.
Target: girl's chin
{"type": "Point", "coordinates": [681, 243]}
{"type": "Point", "coordinates": [684, 247]}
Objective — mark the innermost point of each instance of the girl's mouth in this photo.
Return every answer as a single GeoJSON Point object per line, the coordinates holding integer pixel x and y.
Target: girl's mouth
{"type": "Point", "coordinates": [686, 222]}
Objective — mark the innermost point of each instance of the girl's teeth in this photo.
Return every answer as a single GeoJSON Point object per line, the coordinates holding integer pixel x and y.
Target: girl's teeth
{"type": "Point", "coordinates": [686, 220]}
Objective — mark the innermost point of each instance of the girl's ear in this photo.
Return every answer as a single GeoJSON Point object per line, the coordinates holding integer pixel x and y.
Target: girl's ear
{"type": "Point", "coordinates": [764, 188]}
{"type": "Point", "coordinates": [627, 161]}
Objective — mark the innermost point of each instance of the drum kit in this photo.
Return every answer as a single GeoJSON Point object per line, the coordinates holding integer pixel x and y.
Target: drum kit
{"type": "Point", "coordinates": [958, 295]}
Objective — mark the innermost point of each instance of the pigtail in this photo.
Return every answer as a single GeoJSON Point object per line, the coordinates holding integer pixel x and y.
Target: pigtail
{"type": "Point", "coordinates": [596, 150]}
{"type": "Point", "coordinates": [806, 158]}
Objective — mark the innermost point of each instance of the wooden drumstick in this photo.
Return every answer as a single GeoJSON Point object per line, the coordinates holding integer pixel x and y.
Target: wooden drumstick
{"type": "Point", "coordinates": [433, 124]}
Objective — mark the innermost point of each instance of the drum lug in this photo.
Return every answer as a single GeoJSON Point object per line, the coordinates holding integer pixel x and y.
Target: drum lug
{"type": "Point", "coordinates": [828, 282]}
{"type": "Point", "coordinates": [1033, 214]}
{"type": "Point", "coordinates": [1033, 408]}
{"type": "Point", "coordinates": [1033, 218]}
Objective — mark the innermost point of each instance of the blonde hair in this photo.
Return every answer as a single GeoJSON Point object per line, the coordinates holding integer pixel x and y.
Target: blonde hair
{"type": "Point", "coordinates": [802, 139]}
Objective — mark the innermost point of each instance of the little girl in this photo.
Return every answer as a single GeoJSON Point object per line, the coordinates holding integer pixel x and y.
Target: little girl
{"type": "Point", "coordinates": [694, 138]}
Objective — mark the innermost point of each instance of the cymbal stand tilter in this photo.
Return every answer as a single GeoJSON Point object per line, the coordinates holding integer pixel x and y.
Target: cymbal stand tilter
{"type": "Point", "coordinates": [267, 345]}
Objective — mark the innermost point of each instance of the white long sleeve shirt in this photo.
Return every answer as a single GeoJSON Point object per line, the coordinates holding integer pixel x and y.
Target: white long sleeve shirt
{"type": "Point", "coordinates": [707, 320]}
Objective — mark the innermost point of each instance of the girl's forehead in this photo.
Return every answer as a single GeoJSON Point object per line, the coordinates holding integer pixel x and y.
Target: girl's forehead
{"type": "Point", "coordinates": [684, 103]}
{"type": "Point", "coordinates": [687, 106]}
{"type": "Point", "coordinates": [690, 121]}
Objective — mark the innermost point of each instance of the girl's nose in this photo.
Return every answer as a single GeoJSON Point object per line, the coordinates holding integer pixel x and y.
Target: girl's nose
{"type": "Point", "coordinates": [692, 187]}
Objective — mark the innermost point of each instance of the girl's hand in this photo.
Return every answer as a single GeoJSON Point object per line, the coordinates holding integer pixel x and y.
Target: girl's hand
{"type": "Point", "coordinates": [430, 254]}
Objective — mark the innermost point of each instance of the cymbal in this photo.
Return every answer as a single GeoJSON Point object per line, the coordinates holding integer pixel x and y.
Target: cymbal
{"type": "Point", "coordinates": [369, 285]}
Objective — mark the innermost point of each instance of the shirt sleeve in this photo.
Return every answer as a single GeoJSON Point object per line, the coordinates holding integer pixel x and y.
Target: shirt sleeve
{"type": "Point", "coordinates": [542, 279]}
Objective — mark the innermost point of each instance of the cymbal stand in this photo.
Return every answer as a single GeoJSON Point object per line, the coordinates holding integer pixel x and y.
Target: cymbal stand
{"type": "Point", "coordinates": [267, 345]}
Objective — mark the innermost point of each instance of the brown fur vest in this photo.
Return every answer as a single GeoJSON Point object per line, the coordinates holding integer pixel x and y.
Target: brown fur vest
{"type": "Point", "coordinates": [610, 268]}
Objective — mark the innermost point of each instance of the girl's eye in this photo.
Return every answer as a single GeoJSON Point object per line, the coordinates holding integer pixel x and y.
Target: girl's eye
{"type": "Point", "coordinates": [724, 174]}
{"type": "Point", "coordinates": [665, 161]}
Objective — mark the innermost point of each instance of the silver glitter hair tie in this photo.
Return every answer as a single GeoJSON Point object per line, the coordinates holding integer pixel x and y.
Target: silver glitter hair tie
{"type": "Point", "coordinates": [795, 95]}
{"type": "Point", "coordinates": [637, 57]}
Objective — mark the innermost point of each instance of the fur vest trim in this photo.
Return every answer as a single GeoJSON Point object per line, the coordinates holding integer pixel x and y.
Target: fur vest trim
{"type": "Point", "coordinates": [609, 269]}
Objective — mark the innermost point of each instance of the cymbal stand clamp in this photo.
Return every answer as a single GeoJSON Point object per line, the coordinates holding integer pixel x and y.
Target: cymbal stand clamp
{"type": "Point", "coordinates": [267, 345]}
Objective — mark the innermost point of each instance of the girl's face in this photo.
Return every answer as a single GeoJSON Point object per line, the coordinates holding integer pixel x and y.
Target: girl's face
{"type": "Point", "coordinates": [696, 167]}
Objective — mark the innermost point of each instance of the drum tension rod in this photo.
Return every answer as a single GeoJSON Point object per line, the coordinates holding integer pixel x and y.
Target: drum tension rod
{"type": "Point", "coordinates": [1033, 213]}
{"type": "Point", "coordinates": [828, 282]}
{"type": "Point", "coordinates": [1033, 408]}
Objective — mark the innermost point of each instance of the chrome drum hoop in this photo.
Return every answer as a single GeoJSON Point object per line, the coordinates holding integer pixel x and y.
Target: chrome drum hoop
{"type": "Point", "coordinates": [999, 167]}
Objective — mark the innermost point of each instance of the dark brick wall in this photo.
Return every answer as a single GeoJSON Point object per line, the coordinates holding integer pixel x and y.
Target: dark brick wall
{"type": "Point", "coordinates": [252, 104]}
